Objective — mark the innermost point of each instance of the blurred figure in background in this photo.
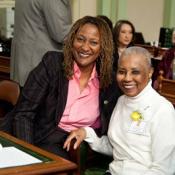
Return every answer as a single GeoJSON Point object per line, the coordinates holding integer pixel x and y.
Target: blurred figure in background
{"type": "Point", "coordinates": [107, 20]}
{"type": "Point", "coordinates": [40, 26]}
{"type": "Point", "coordinates": [123, 36]}
{"type": "Point", "coordinates": [166, 64]}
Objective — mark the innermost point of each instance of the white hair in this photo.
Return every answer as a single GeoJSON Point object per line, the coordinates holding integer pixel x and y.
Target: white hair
{"type": "Point", "coordinates": [144, 53]}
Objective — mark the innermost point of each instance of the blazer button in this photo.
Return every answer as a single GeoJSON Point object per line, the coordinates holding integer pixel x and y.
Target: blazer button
{"type": "Point", "coordinates": [105, 102]}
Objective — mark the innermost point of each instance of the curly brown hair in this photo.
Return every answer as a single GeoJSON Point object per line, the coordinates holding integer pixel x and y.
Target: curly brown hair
{"type": "Point", "coordinates": [104, 61]}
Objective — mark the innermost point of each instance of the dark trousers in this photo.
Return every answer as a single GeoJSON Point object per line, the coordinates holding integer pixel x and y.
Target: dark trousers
{"type": "Point", "coordinates": [54, 143]}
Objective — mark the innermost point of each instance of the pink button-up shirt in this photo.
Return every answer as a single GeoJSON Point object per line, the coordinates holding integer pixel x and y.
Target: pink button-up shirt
{"type": "Point", "coordinates": [82, 108]}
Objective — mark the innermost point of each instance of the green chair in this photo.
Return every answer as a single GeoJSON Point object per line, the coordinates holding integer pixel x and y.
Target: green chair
{"type": "Point", "coordinates": [94, 171]}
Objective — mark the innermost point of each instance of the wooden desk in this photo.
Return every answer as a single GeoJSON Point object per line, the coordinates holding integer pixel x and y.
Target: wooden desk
{"type": "Point", "coordinates": [156, 52]}
{"type": "Point", "coordinates": [52, 164]}
{"type": "Point", "coordinates": [157, 55]}
{"type": "Point", "coordinates": [4, 68]}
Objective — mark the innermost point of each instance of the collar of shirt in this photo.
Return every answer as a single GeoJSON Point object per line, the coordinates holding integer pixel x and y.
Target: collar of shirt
{"type": "Point", "coordinates": [93, 78]}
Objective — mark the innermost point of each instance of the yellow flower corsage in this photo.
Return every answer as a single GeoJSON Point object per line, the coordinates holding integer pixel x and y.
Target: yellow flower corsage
{"type": "Point", "coordinates": [136, 116]}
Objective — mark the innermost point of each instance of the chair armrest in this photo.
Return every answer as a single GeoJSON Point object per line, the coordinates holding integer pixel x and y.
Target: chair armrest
{"type": "Point", "coordinates": [79, 156]}
{"type": "Point", "coordinates": [87, 159]}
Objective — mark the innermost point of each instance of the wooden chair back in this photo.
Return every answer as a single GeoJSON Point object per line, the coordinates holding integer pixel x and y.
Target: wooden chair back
{"type": "Point", "coordinates": [9, 93]}
{"type": "Point", "coordinates": [166, 87]}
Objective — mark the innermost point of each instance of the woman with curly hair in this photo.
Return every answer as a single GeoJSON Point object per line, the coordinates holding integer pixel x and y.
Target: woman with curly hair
{"type": "Point", "coordinates": [69, 90]}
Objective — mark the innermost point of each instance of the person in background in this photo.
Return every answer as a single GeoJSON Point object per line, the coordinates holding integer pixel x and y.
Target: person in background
{"type": "Point", "coordinates": [40, 26]}
{"type": "Point", "coordinates": [123, 36]}
{"type": "Point", "coordinates": [166, 64]}
{"type": "Point", "coordinates": [68, 90]}
{"type": "Point", "coordinates": [107, 20]}
{"type": "Point", "coordinates": [141, 130]}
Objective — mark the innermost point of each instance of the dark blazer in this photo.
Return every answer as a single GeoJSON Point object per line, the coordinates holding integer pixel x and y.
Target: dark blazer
{"type": "Point", "coordinates": [43, 99]}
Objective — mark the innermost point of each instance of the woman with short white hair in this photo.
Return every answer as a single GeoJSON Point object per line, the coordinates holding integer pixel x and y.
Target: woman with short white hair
{"type": "Point", "coordinates": [141, 130]}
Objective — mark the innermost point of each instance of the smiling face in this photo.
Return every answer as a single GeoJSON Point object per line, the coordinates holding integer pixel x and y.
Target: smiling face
{"type": "Point", "coordinates": [86, 46]}
{"type": "Point", "coordinates": [133, 74]}
{"type": "Point", "coordinates": [125, 35]}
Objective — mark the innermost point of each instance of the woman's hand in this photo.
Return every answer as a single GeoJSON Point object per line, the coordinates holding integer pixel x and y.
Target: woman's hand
{"type": "Point", "coordinates": [79, 135]}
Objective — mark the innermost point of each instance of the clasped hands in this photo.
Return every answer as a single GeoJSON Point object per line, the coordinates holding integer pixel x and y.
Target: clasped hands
{"type": "Point", "coordinates": [79, 135]}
